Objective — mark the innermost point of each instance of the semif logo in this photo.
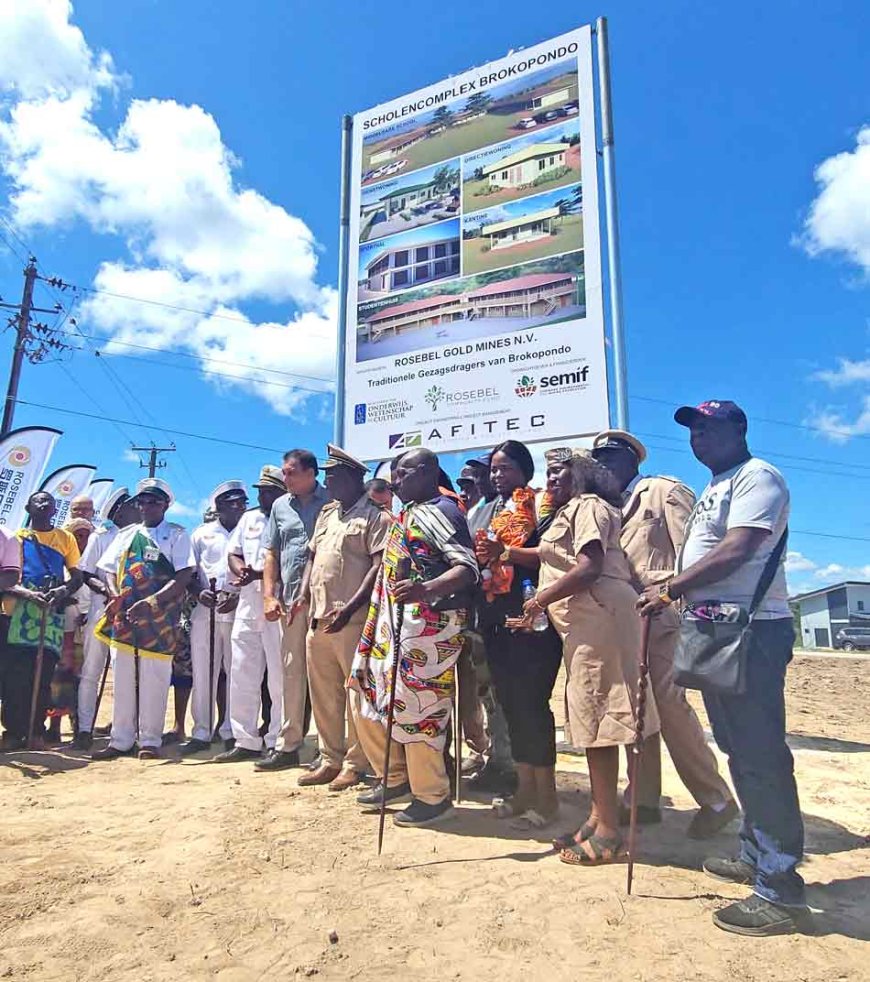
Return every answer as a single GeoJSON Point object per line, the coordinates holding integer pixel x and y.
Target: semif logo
{"type": "Point", "coordinates": [66, 489]}
{"type": "Point", "coordinates": [404, 441]}
{"type": "Point", "coordinates": [19, 456]}
{"type": "Point", "coordinates": [525, 386]}
{"type": "Point", "coordinates": [359, 413]}
{"type": "Point", "coordinates": [434, 396]}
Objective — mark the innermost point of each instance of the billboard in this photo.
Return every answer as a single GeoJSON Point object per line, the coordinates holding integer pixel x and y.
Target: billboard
{"type": "Point", "coordinates": [474, 294]}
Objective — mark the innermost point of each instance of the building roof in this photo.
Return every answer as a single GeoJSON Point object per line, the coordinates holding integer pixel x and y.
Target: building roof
{"type": "Point", "coordinates": [529, 153]}
{"type": "Point", "coordinates": [529, 282]}
{"type": "Point", "coordinates": [400, 140]}
{"type": "Point", "coordinates": [407, 190]}
{"type": "Point", "coordinates": [536, 216]}
{"type": "Point", "coordinates": [413, 305]}
{"type": "Point", "coordinates": [827, 589]}
{"type": "Point", "coordinates": [554, 85]}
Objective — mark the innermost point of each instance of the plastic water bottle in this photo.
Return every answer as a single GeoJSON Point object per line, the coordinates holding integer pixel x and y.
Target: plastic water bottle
{"type": "Point", "coordinates": [540, 622]}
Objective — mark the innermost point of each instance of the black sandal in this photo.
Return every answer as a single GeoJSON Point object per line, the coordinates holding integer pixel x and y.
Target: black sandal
{"type": "Point", "coordinates": [569, 839]}
{"type": "Point", "coordinates": [603, 852]}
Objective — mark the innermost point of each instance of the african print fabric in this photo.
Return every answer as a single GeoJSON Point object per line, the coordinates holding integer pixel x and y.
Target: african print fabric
{"type": "Point", "coordinates": [42, 568]}
{"type": "Point", "coordinates": [435, 537]}
{"type": "Point", "coordinates": [142, 571]}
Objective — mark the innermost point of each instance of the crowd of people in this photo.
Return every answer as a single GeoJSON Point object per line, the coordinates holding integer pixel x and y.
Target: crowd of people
{"type": "Point", "coordinates": [361, 604]}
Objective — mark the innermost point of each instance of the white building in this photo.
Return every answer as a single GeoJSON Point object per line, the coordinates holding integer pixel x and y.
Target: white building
{"type": "Point", "coordinates": [824, 612]}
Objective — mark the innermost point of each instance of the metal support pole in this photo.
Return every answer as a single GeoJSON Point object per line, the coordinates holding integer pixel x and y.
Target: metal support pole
{"type": "Point", "coordinates": [612, 216]}
{"type": "Point", "coordinates": [343, 258]}
{"type": "Point", "coordinates": [21, 334]}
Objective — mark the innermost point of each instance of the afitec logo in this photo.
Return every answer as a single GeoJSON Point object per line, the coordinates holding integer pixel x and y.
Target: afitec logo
{"type": "Point", "coordinates": [525, 386]}
{"type": "Point", "coordinates": [434, 396]}
{"type": "Point", "coordinates": [404, 441]}
{"type": "Point", "coordinates": [359, 413]}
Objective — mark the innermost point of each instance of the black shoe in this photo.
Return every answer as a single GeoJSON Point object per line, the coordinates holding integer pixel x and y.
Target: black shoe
{"type": "Point", "coordinates": [707, 822]}
{"type": "Point", "coordinates": [315, 764]}
{"type": "Point", "coordinates": [278, 760]}
{"type": "Point", "coordinates": [646, 815]}
{"type": "Point", "coordinates": [229, 744]}
{"type": "Point", "coordinates": [193, 746]}
{"type": "Point", "coordinates": [493, 780]}
{"type": "Point", "coordinates": [729, 870]}
{"type": "Point", "coordinates": [759, 918]}
{"type": "Point", "coordinates": [83, 741]}
{"type": "Point", "coordinates": [372, 798]}
{"type": "Point", "coordinates": [103, 730]}
{"type": "Point", "coordinates": [237, 754]}
{"type": "Point", "coordinates": [112, 753]}
{"type": "Point", "coordinates": [419, 815]}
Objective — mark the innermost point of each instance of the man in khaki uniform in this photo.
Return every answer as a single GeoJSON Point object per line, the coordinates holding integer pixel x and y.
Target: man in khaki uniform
{"type": "Point", "coordinates": [654, 516]}
{"type": "Point", "coordinates": [345, 556]}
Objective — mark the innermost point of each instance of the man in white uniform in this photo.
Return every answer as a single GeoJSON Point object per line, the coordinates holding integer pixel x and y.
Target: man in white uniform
{"type": "Point", "coordinates": [148, 567]}
{"type": "Point", "coordinates": [210, 542]}
{"type": "Point", "coordinates": [255, 642]}
{"type": "Point", "coordinates": [120, 512]}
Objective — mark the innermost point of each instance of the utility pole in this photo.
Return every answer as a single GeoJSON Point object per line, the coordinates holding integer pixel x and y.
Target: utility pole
{"type": "Point", "coordinates": [152, 463]}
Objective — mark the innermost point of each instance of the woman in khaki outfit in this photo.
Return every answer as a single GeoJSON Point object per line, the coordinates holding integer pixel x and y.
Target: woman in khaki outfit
{"type": "Point", "coordinates": [585, 587]}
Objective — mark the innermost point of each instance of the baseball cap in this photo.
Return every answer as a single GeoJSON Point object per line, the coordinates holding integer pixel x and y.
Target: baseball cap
{"type": "Point", "coordinates": [723, 409]}
{"type": "Point", "coordinates": [619, 440]}
{"type": "Point", "coordinates": [466, 475]}
{"type": "Point", "coordinates": [483, 460]}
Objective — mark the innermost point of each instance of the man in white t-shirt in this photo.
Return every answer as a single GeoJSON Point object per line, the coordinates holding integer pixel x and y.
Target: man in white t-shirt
{"type": "Point", "coordinates": [740, 519]}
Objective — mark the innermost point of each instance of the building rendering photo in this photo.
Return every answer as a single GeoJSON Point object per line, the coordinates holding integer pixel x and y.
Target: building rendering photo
{"type": "Point", "coordinates": [481, 306]}
{"type": "Point", "coordinates": [421, 198]}
{"type": "Point", "coordinates": [531, 228]}
{"type": "Point", "coordinates": [409, 259]}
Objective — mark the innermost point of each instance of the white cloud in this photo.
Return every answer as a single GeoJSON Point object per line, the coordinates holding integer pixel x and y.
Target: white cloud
{"type": "Point", "coordinates": [178, 509]}
{"type": "Point", "coordinates": [165, 183]}
{"type": "Point", "coordinates": [130, 456]}
{"type": "Point", "coordinates": [796, 562]}
{"type": "Point", "coordinates": [834, 423]}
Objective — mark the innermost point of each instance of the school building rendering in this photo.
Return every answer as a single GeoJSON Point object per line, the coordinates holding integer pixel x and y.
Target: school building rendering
{"type": "Point", "coordinates": [525, 228]}
{"type": "Point", "coordinates": [403, 266]}
{"type": "Point", "coordinates": [525, 166]}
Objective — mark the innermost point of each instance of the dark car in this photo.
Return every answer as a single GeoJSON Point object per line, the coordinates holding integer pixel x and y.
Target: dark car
{"type": "Point", "coordinates": [853, 639]}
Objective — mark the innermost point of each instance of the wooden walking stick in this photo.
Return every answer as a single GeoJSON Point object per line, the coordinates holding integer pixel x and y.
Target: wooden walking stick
{"type": "Point", "coordinates": [37, 674]}
{"type": "Point", "coordinates": [457, 738]}
{"type": "Point", "coordinates": [637, 748]}
{"type": "Point", "coordinates": [100, 691]}
{"type": "Point", "coordinates": [136, 682]}
{"type": "Point", "coordinates": [403, 572]}
{"type": "Point", "coordinates": [212, 615]}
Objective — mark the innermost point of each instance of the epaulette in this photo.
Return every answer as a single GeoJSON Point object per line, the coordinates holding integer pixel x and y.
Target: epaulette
{"type": "Point", "coordinates": [175, 525]}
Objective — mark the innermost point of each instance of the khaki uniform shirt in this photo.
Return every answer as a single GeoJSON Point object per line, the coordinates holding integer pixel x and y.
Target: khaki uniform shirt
{"type": "Point", "coordinates": [653, 528]}
{"type": "Point", "coordinates": [343, 544]}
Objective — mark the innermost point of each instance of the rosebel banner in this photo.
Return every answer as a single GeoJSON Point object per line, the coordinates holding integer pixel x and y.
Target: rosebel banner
{"type": "Point", "coordinates": [99, 492]}
{"type": "Point", "coordinates": [474, 296]}
{"type": "Point", "coordinates": [65, 484]}
{"type": "Point", "coordinates": [24, 454]}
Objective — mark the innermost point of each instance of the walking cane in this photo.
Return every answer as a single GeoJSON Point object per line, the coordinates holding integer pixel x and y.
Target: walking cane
{"type": "Point", "coordinates": [212, 614]}
{"type": "Point", "coordinates": [637, 748]}
{"type": "Point", "coordinates": [136, 681]}
{"type": "Point", "coordinates": [457, 738]}
{"type": "Point", "coordinates": [403, 571]}
{"type": "Point", "coordinates": [37, 674]}
{"type": "Point", "coordinates": [102, 689]}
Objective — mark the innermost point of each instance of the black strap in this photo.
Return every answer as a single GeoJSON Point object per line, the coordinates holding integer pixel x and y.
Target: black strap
{"type": "Point", "coordinates": [768, 573]}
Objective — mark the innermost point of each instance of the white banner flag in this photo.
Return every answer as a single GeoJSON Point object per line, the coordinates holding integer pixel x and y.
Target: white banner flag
{"type": "Point", "coordinates": [65, 484]}
{"type": "Point", "coordinates": [24, 455]}
{"type": "Point", "coordinates": [99, 492]}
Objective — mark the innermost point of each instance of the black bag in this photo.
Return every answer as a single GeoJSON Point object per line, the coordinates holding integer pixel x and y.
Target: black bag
{"type": "Point", "coordinates": [711, 655]}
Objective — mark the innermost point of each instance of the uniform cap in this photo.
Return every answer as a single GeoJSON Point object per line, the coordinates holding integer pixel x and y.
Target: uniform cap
{"type": "Point", "coordinates": [336, 457]}
{"type": "Point", "coordinates": [153, 485]}
{"type": "Point", "coordinates": [619, 440]}
{"type": "Point", "coordinates": [712, 409]}
{"type": "Point", "coordinates": [557, 454]}
{"type": "Point", "coordinates": [229, 490]}
{"type": "Point", "coordinates": [115, 498]}
{"type": "Point", "coordinates": [270, 477]}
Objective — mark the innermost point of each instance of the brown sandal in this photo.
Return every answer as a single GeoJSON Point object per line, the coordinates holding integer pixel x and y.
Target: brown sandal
{"type": "Point", "coordinates": [603, 852]}
{"type": "Point", "coordinates": [572, 838]}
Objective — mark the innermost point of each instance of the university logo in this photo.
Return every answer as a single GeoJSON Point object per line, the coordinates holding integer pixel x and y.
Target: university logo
{"type": "Point", "coordinates": [19, 456]}
{"type": "Point", "coordinates": [66, 489]}
{"type": "Point", "coordinates": [359, 413]}
{"type": "Point", "coordinates": [434, 396]}
{"type": "Point", "coordinates": [525, 386]}
{"type": "Point", "coordinates": [404, 441]}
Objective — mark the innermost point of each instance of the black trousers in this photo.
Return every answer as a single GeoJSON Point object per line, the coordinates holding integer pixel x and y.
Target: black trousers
{"type": "Point", "coordinates": [524, 667]}
{"type": "Point", "coordinates": [17, 666]}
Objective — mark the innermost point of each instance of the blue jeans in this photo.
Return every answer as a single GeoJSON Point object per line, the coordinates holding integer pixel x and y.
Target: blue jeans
{"type": "Point", "coordinates": [750, 729]}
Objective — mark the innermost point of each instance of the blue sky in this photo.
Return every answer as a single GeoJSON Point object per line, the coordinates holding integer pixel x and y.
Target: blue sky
{"type": "Point", "coordinates": [744, 211]}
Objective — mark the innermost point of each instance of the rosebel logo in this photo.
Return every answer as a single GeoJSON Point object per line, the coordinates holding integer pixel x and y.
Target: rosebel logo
{"type": "Point", "coordinates": [66, 489]}
{"type": "Point", "coordinates": [434, 396]}
{"type": "Point", "coordinates": [525, 386]}
{"type": "Point", "coordinates": [404, 441]}
{"type": "Point", "coordinates": [19, 456]}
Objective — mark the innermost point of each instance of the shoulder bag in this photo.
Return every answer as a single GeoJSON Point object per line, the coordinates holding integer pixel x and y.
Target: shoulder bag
{"type": "Point", "coordinates": [711, 655]}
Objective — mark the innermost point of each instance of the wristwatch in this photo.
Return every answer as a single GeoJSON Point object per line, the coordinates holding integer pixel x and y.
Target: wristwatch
{"type": "Point", "coordinates": [664, 596]}
{"type": "Point", "coordinates": [505, 556]}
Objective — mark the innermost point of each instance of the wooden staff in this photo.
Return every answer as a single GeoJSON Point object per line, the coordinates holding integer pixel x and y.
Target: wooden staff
{"type": "Point", "coordinates": [37, 673]}
{"type": "Point", "coordinates": [457, 737]}
{"type": "Point", "coordinates": [212, 615]}
{"type": "Point", "coordinates": [637, 748]}
{"type": "Point", "coordinates": [403, 572]}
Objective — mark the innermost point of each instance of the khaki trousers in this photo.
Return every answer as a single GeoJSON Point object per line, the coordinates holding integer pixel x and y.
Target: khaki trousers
{"type": "Point", "coordinates": [680, 728]}
{"type": "Point", "coordinates": [417, 763]}
{"type": "Point", "coordinates": [293, 657]}
{"type": "Point", "coordinates": [329, 662]}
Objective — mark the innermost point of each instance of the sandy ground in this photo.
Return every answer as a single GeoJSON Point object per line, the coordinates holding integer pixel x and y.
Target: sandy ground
{"type": "Point", "coordinates": [170, 870]}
